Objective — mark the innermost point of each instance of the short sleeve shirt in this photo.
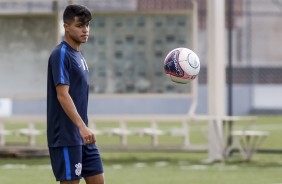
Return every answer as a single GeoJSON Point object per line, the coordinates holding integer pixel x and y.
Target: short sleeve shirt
{"type": "Point", "coordinates": [68, 67]}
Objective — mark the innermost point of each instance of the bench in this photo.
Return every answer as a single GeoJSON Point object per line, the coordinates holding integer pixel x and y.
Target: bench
{"type": "Point", "coordinates": [3, 134]}
{"type": "Point", "coordinates": [31, 132]}
{"type": "Point", "coordinates": [153, 131]}
{"type": "Point", "coordinates": [123, 131]}
{"type": "Point", "coordinates": [247, 142]}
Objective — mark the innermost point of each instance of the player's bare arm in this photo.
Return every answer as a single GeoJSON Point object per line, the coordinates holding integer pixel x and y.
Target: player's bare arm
{"type": "Point", "coordinates": [67, 104]}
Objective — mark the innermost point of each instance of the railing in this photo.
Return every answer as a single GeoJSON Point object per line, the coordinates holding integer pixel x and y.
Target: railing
{"type": "Point", "coordinates": [123, 131]}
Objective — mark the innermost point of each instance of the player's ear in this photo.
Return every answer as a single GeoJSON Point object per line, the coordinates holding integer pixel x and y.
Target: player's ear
{"type": "Point", "coordinates": [66, 26]}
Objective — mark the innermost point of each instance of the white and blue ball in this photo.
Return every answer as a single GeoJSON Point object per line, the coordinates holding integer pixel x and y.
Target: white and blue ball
{"type": "Point", "coordinates": [182, 65]}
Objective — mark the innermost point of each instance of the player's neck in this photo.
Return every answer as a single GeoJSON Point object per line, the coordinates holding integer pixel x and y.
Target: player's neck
{"type": "Point", "coordinates": [72, 43]}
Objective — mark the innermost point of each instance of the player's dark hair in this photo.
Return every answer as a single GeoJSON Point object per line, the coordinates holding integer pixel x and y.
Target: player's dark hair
{"type": "Point", "coordinates": [79, 11]}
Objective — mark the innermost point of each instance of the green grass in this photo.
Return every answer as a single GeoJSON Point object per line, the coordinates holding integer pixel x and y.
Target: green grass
{"type": "Point", "coordinates": [155, 168]}
{"type": "Point", "coordinates": [159, 167]}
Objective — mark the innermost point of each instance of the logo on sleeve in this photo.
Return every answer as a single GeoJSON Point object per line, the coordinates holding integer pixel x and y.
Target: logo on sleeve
{"type": "Point", "coordinates": [78, 169]}
{"type": "Point", "coordinates": [84, 64]}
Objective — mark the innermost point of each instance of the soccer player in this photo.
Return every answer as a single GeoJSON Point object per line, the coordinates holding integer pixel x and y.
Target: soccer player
{"type": "Point", "coordinates": [71, 143]}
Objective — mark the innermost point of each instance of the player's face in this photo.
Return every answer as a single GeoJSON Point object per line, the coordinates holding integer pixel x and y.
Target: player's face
{"type": "Point", "coordinates": [78, 31]}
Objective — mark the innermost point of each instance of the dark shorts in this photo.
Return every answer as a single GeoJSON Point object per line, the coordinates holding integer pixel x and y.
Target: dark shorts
{"type": "Point", "coordinates": [75, 162]}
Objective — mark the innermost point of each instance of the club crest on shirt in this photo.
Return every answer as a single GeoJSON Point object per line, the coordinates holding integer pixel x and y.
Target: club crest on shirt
{"type": "Point", "coordinates": [78, 169]}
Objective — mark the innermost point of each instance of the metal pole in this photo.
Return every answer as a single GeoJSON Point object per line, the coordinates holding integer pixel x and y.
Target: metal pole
{"type": "Point", "coordinates": [230, 68]}
{"type": "Point", "coordinates": [216, 77]}
{"type": "Point", "coordinates": [194, 84]}
{"type": "Point", "coordinates": [56, 9]}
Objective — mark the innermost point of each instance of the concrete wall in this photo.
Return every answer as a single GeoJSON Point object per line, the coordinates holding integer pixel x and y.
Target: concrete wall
{"type": "Point", "coordinates": [26, 42]}
{"type": "Point", "coordinates": [242, 104]}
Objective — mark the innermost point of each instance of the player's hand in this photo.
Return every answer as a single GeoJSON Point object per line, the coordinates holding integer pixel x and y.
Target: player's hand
{"type": "Point", "coordinates": [88, 135]}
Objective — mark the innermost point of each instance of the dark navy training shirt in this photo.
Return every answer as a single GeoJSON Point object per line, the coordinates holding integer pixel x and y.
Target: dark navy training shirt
{"type": "Point", "coordinates": [66, 66]}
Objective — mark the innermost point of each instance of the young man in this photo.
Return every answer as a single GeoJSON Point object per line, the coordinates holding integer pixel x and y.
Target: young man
{"type": "Point", "coordinates": [72, 148]}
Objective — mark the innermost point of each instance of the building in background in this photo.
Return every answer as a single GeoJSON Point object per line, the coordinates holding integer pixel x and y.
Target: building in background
{"type": "Point", "coordinates": [129, 40]}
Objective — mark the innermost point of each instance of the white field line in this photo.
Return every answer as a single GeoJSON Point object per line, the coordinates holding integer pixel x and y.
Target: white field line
{"type": "Point", "coordinates": [24, 166]}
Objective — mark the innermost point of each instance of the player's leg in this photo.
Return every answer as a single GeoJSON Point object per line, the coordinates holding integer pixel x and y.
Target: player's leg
{"type": "Point", "coordinates": [70, 182]}
{"type": "Point", "coordinates": [96, 179]}
{"type": "Point", "coordinates": [92, 170]}
{"type": "Point", "coordinates": [67, 164]}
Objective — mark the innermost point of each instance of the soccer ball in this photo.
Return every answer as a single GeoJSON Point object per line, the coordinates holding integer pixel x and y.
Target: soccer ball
{"type": "Point", "coordinates": [182, 65]}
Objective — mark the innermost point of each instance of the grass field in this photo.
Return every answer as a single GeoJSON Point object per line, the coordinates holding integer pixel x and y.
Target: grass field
{"type": "Point", "coordinates": [164, 168]}
{"type": "Point", "coordinates": [155, 168]}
